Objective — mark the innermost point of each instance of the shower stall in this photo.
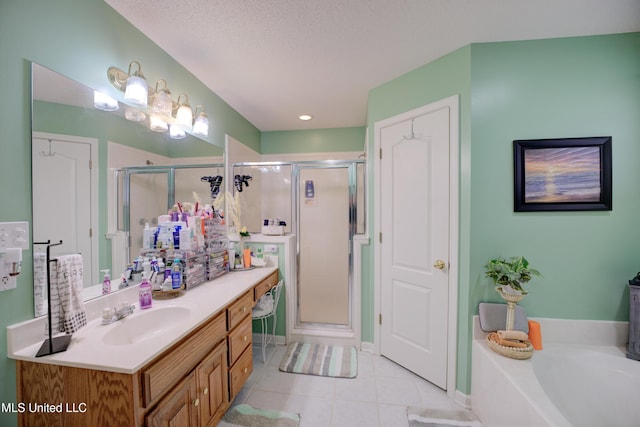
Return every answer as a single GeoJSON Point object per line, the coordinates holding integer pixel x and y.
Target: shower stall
{"type": "Point", "coordinates": [145, 192]}
{"type": "Point", "coordinates": [323, 204]}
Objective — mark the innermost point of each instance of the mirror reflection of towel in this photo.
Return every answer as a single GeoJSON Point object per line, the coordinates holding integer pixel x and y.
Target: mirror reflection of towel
{"type": "Point", "coordinates": [39, 283]}
{"type": "Point", "coordinates": [67, 308]}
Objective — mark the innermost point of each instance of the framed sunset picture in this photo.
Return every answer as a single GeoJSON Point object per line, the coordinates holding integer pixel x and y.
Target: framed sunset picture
{"type": "Point", "coordinates": [570, 174]}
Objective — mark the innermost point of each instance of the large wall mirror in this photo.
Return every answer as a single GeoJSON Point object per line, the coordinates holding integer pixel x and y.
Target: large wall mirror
{"type": "Point", "coordinates": [79, 154]}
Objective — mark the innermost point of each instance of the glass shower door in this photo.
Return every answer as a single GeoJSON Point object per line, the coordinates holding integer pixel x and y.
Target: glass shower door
{"type": "Point", "coordinates": [325, 230]}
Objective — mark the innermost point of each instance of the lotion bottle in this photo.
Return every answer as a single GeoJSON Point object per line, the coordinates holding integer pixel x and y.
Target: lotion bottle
{"type": "Point", "coordinates": [106, 283]}
{"type": "Point", "coordinates": [144, 293]}
{"type": "Point", "coordinates": [176, 274]}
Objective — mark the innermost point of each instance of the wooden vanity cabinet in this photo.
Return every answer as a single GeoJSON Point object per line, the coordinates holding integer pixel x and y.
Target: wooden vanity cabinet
{"type": "Point", "coordinates": [178, 407]}
{"type": "Point", "coordinates": [239, 341]}
{"type": "Point", "coordinates": [212, 385]}
{"type": "Point", "coordinates": [190, 384]}
{"type": "Point", "coordinates": [262, 287]}
{"type": "Point", "coordinates": [198, 400]}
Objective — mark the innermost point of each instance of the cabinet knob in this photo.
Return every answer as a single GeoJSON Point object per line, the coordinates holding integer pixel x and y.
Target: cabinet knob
{"type": "Point", "coordinates": [196, 402]}
{"type": "Point", "coordinates": [206, 390]}
{"type": "Point", "coordinates": [244, 309]}
{"type": "Point", "coordinates": [246, 370]}
{"type": "Point", "coordinates": [244, 338]}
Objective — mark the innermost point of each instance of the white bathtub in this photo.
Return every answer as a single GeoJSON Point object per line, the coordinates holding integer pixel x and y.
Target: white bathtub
{"type": "Point", "coordinates": [568, 384]}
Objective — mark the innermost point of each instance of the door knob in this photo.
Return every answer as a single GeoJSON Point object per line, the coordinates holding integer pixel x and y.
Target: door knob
{"type": "Point", "coordinates": [439, 264]}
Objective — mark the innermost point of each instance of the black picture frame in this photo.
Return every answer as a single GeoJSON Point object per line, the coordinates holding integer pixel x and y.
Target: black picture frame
{"type": "Point", "coordinates": [567, 174]}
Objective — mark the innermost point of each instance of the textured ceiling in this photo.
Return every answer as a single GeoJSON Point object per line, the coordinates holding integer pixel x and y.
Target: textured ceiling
{"type": "Point", "coordinates": [272, 60]}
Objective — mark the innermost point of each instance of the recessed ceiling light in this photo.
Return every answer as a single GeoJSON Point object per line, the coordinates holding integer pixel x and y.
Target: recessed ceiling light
{"type": "Point", "coordinates": [305, 117]}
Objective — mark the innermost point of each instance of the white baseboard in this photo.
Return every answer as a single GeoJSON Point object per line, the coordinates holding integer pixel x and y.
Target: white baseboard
{"type": "Point", "coordinates": [368, 347]}
{"type": "Point", "coordinates": [462, 399]}
{"type": "Point", "coordinates": [278, 340]}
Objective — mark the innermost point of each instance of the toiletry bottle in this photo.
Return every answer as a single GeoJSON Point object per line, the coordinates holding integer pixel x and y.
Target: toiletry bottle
{"type": "Point", "coordinates": [147, 237]}
{"type": "Point", "coordinates": [144, 293]}
{"type": "Point", "coordinates": [160, 276]}
{"type": "Point", "coordinates": [176, 274]}
{"type": "Point", "coordinates": [106, 283]}
{"type": "Point", "coordinates": [146, 267]}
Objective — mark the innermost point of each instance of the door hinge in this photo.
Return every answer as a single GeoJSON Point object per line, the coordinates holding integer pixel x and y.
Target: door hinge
{"type": "Point", "coordinates": [380, 154]}
{"type": "Point", "coordinates": [380, 319]}
{"type": "Point", "coordinates": [90, 233]}
{"type": "Point", "coordinates": [90, 164]}
{"type": "Point", "coordinates": [380, 237]}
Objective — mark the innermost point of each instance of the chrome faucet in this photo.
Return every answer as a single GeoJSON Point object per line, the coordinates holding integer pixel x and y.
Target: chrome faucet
{"type": "Point", "coordinates": [110, 315]}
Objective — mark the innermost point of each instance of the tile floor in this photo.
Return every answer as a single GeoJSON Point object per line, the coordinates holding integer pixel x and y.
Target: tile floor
{"type": "Point", "coordinates": [378, 396]}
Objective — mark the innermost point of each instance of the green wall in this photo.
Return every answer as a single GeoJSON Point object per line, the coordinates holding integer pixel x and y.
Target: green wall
{"type": "Point", "coordinates": [442, 78]}
{"type": "Point", "coordinates": [312, 141]}
{"type": "Point", "coordinates": [555, 88]}
{"type": "Point", "coordinates": [573, 87]}
{"type": "Point", "coordinates": [79, 39]}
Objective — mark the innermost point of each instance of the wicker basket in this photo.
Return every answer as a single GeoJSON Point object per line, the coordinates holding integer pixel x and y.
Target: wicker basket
{"type": "Point", "coordinates": [512, 352]}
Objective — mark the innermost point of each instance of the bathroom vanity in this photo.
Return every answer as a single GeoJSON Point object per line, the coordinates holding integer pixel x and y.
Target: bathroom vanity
{"type": "Point", "coordinates": [184, 370]}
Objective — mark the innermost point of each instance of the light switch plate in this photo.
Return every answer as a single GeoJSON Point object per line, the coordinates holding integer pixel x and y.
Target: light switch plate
{"type": "Point", "coordinates": [14, 235]}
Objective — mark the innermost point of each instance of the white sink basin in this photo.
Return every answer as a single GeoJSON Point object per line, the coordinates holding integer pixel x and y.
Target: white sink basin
{"type": "Point", "coordinates": [145, 325]}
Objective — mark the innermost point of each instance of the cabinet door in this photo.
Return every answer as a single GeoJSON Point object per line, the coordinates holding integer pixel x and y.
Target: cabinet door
{"type": "Point", "coordinates": [239, 373]}
{"type": "Point", "coordinates": [178, 408]}
{"type": "Point", "coordinates": [213, 391]}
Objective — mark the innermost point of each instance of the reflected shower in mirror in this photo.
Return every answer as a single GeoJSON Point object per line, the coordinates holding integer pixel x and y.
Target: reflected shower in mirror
{"type": "Point", "coordinates": [76, 149]}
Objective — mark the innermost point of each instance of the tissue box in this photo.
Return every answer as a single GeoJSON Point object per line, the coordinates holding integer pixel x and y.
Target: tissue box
{"type": "Point", "coordinates": [273, 230]}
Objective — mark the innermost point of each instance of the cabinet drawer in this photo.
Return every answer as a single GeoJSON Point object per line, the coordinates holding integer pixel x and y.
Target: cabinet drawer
{"type": "Point", "coordinates": [262, 287]}
{"type": "Point", "coordinates": [239, 373]}
{"type": "Point", "coordinates": [177, 363]}
{"type": "Point", "coordinates": [239, 339]}
{"type": "Point", "coordinates": [239, 309]}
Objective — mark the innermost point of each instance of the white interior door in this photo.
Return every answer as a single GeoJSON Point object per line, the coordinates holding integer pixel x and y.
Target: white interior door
{"type": "Point", "coordinates": [62, 202]}
{"type": "Point", "coordinates": [414, 248]}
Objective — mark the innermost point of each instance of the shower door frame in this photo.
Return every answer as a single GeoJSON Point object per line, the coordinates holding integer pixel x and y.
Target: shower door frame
{"type": "Point", "coordinates": [126, 173]}
{"type": "Point", "coordinates": [315, 328]}
{"type": "Point", "coordinates": [343, 335]}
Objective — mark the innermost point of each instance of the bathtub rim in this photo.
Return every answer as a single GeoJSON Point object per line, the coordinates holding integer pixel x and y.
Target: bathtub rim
{"type": "Point", "coordinates": [554, 332]}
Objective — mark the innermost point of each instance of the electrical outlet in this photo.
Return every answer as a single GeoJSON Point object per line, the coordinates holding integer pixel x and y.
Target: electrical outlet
{"type": "Point", "coordinates": [271, 249]}
{"type": "Point", "coordinates": [14, 235]}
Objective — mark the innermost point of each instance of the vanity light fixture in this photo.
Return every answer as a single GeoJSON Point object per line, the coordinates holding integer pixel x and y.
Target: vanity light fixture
{"type": "Point", "coordinates": [157, 124]}
{"type": "Point", "coordinates": [104, 102]}
{"type": "Point", "coordinates": [136, 91]}
{"type": "Point", "coordinates": [176, 132]}
{"type": "Point", "coordinates": [201, 123]}
{"type": "Point", "coordinates": [162, 102]}
{"type": "Point", "coordinates": [184, 114]}
{"type": "Point", "coordinates": [305, 117]}
{"type": "Point", "coordinates": [134, 115]}
{"type": "Point", "coordinates": [158, 104]}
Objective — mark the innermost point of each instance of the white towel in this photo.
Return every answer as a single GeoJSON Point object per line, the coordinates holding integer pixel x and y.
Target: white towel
{"type": "Point", "coordinates": [69, 282]}
{"type": "Point", "coordinates": [39, 283]}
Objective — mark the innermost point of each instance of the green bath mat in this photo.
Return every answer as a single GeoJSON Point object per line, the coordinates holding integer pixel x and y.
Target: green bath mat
{"type": "Point", "coordinates": [425, 417]}
{"type": "Point", "coordinates": [322, 360]}
{"type": "Point", "coordinates": [246, 415]}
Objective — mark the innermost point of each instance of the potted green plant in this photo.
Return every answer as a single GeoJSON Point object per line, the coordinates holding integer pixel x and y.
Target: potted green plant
{"type": "Point", "coordinates": [510, 274]}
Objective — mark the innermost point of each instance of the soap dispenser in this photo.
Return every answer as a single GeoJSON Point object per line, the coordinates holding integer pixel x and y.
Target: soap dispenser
{"type": "Point", "coordinates": [176, 274]}
{"type": "Point", "coordinates": [144, 293]}
{"type": "Point", "coordinates": [106, 283]}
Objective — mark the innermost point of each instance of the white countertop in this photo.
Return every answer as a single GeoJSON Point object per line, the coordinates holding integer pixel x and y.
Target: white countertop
{"type": "Point", "coordinates": [87, 349]}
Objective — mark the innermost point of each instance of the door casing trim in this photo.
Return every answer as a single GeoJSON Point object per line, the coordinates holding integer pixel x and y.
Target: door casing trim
{"type": "Point", "coordinates": [454, 211]}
